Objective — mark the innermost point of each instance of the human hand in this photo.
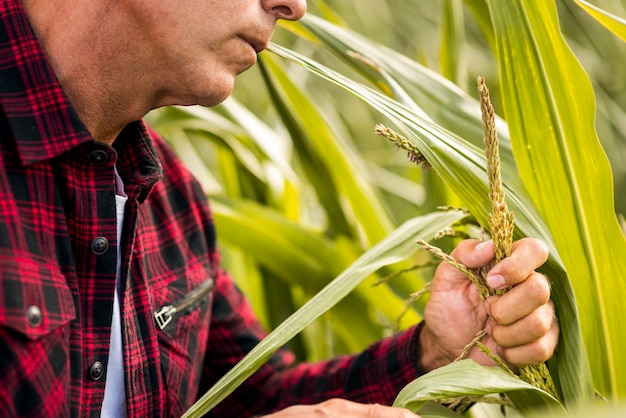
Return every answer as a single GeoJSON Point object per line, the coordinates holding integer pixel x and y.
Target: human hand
{"type": "Point", "coordinates": [341, 408]}
{"type": "Point", "coordinates": [521, 325]}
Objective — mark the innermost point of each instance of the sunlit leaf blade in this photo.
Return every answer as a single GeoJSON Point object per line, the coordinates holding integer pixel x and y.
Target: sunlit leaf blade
{"type": "Point", "coordinates": [396, 247]}
{"type": "Point", "coordinates": [615, 24]}
{"type": "Point", "coordinates": [462, 167]}
{"type": "Point", "coordinates": [467, 378]}
{"type": "Point", "coordinates": [550, 108]}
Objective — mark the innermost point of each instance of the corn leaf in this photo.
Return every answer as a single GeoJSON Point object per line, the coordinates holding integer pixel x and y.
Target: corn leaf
{"type": "Point", "coordinates": [615, 24]}
{"type": "Point", "coordinates": [467, 378]}
{"type": "Point", "coordinates": [549, 105]}
{"type": "Point", "coordinates": [432, 409]}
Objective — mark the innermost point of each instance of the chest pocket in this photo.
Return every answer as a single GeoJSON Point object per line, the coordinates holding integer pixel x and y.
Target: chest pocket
{"type": "Point", "coordinates": [36, 299]}
{"type": "Point", "coordinates": [182, 314]}
{"type": "Point", "coordinates": [184, 305]}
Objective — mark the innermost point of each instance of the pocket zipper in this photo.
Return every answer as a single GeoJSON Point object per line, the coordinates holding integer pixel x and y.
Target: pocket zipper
{"type": "Point", "coordinates": [165, 315]}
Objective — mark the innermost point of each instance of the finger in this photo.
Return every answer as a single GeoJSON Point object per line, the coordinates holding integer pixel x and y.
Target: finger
{"type": "Point", "coordinates": [379, 411]}
{"type": "Point", "coordinates": [535, 352]}
{"type": "Point", "coordinates": [527, 255]}
{"type": "Point", "coordinates": [527, 330]}
{"type": "Point", "coordinates": [520, 301]}
{"type": "Point", "coordinates": [474, 253]}
{"type": "Point", "coordinates": [342, 408]}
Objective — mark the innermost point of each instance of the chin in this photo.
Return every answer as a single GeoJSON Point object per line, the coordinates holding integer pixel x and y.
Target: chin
{"type": "Point", "coordinates": [216, 92]}
{"type": "Point", "coordinates": [216, 99]}
{"type": "Point", "coordinates": [210, 99]}
{"type": "Point", "coordinates": [209, 92]}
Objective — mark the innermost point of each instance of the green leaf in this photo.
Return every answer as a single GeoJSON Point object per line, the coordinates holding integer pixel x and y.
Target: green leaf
{"type": "Point", "coordinates": [396, 247]}
{"type": "Point", "coordinates": [549, 105]}
{"type": "Point", "coordinates": [433, 409]}
{"type": "Point", "coordinates": [613, 23]}
{"type": "Point", "coordinates": [468, 378]}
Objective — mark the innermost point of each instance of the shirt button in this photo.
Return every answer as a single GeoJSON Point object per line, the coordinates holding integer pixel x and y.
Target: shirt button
{"type": "Point", "coordinates": [99, 245]}
{"type": "Point", "coordinates": [96, 370]}
{"type": "Point", "coordinates": [98, 156]}
{"type": "Point", "coordinates": [34, 317]}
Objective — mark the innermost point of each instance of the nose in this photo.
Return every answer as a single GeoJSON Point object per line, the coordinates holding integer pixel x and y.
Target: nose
{"type": "Point", "coordinates": [285, 9]}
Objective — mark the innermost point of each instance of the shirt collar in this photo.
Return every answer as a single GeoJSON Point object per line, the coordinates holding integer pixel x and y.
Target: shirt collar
{"type": "Point", "coordinates": [138, 162]}
{"type": "Point", "coordinates": [42, 120]}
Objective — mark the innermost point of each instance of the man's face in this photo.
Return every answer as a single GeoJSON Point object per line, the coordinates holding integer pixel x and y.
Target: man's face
{"type": "Point", "coordinates": [194, 49]}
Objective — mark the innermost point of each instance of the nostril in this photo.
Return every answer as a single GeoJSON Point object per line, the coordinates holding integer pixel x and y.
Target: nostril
{"type": "Point", "coordinates": [283, 11]}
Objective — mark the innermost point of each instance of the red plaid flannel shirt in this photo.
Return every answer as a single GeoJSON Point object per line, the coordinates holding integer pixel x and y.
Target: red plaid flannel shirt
{"type": "Point", "coordinates": [58, 249]}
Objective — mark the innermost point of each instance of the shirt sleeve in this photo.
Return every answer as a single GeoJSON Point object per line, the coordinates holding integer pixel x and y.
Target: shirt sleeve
{"type": "Point", "coordinates": [375, 375]}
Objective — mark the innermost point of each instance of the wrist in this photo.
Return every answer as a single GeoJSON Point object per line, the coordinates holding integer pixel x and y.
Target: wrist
{"type": "Point", "coordinates": [429, 355]}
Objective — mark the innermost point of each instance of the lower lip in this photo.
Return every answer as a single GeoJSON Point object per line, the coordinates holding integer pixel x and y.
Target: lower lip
{"type": "Point", "coordinates": [246, 61]}
{"type": "Point", "coordinates": [254, 54]}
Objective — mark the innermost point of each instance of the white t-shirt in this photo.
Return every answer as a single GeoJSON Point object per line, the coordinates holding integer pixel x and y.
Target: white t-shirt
{"type": "Point", "coordinates": [114, 404]}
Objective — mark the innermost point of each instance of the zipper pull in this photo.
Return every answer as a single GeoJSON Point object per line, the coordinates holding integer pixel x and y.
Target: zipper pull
{"type": "Point", "coordinates": [164, 316]}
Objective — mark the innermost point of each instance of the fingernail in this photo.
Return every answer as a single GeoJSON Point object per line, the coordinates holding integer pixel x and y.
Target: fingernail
{"type": "Point", "coordinates": [496, 281]}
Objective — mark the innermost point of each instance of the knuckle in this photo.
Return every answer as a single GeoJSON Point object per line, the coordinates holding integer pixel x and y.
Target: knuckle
{"type": "Point", "coordinates": [535, 246]}
{"type": "Point", "coordinates": [533, 353]}
{"type": "Point", "coordinates": [497, 313]}
{"type": "Point", "coordinates": [539, 247]}
{"type": "Point", "coordinates": [537, 352]}
{"type": "Point", "coordinates": [542, 324]}
{"type": "Point", "coordinates": [542, 351]}
{"type": "Point", "coordinates": [539, 287]}
{"type": "Point", "coordinates": [542, 248]}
